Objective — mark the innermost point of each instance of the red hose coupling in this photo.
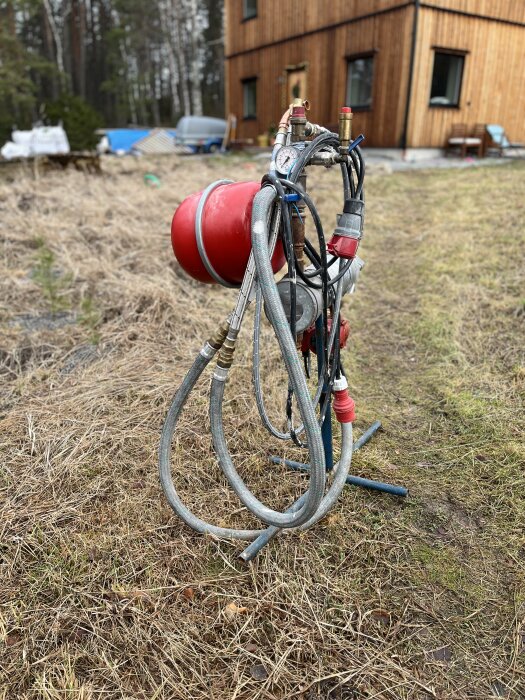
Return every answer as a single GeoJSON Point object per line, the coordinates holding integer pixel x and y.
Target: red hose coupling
{"type": "Point", "coordinates": [342, 246]}
{"type": "Point", "coordinates": [344, 405]}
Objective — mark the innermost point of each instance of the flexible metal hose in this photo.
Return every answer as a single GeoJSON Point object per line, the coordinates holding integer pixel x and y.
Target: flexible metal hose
{"type": "Point", "coordinates": [341, 469]}
{"type": "Point", "coordinates": [168, 429]}
{"type": "Point", "coordinates": [261, 211]}
{"type": "Point", "coordinates": [312, 506]}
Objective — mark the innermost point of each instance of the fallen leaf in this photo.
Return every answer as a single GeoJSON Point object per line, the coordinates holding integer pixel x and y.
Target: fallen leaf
{"type": "Point", "coordinates": [188, 593]}
{"type": "Point", "coordinates": [12, 639]}
{"type": "Point", "coordinates": [259, 672]}
{"type": "Point", "coordinates": [381, 616]}
{"type": "Point", "coordinates": [232, 610]}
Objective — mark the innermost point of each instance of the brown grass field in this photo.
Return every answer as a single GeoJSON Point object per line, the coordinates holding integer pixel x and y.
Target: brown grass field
{"type": "Point", "coordinates": [105, 594]}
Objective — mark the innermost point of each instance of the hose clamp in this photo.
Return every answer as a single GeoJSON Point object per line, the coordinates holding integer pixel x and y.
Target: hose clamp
{"type": "Point", "coordinates": [220, 374]}
{"type": "Point", "coordinates": [207, 351]}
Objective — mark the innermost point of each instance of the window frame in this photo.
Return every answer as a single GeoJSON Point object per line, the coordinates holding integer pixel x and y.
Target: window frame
{"type": "Point", "coordinates": [350, 59]}
{"type": "Point", "coordinates": [246, 17]}
{"type": "Point", "coordinates": [458, 53]}
{"type": "Point", "coordinates": [244, 83]}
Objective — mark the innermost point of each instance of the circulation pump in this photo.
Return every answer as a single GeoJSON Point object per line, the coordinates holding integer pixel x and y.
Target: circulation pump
{"type": "Point", "coordinates": [239, 235]}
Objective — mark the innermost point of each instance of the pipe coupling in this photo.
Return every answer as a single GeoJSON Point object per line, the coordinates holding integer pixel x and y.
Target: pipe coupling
{"type": "Point", "coordinates": [226, 354]}
{"type": "Point", "coordinates": [217, 339]}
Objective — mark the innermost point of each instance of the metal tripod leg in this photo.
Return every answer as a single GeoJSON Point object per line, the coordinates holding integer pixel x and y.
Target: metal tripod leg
{"type": "Point", "coordinates": [255, 547]}
{"type": "Point", "coordinates": [354, 480]}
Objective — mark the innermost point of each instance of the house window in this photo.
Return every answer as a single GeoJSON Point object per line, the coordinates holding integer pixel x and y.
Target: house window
{"type": "Point", "coordinates": [359, 82]}
{"type": "Point", "coordinates": [249, 9]}
{"type": "Point", "coordinates": [249, 98]}
{"type": "Point", "coordinates": [446, 79]}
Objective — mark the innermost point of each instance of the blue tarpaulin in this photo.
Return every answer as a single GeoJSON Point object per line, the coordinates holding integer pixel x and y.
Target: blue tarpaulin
{"type": "Point", "coordinates": [123, 139]}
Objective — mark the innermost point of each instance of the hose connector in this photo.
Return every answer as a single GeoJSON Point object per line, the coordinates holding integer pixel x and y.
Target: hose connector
{"type": "Point", "coordinates": [348, 232]}
{"type": "Point", "coordinates": [298, 121]}
{"type": "Point", "coordinates": [225, 359]}
{"type": "Point", "coordinates": [217, 339]}
{"type": "Point", "coordinates": [344, 405]}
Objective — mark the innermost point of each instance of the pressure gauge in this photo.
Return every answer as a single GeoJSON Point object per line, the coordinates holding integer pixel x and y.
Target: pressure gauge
{"type": "Point", "coordinates": [285, 160]}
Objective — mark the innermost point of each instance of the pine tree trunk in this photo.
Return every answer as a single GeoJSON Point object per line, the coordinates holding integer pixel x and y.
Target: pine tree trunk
{"type": "Point", "coordinates": [181, 57]}
{"type": "Point", "coordinates": [196, 92]}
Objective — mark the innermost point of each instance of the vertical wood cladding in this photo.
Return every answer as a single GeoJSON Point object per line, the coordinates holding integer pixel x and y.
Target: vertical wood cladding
{"type": "Point", "coordinates": [325, 53]}
{"type": "Point", "coordinates": [493, 86]}
{"type": "Point", "coordinates": [278, 19]}
{"type": "Point", "coordinates": [320, 35]}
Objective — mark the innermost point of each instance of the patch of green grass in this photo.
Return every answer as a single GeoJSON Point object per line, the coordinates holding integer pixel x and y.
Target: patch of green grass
{"type": "Point", "coordinates": [90, 317]}
{"type": "Point", "coordinates": [435, 333]}
{"type": "Point", "coordinates": [55, 285]}
{"type": "Point", "coordinates": [441, 567]}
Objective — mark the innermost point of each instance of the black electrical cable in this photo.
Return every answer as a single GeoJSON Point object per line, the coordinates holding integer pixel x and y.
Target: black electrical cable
{"type": "Point", "coordinates": [353, 175]}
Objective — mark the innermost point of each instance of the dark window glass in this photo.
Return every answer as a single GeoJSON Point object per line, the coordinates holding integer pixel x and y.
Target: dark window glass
{"type": "Point", "coordinates": [359, 82]}
{"type": "Point", "coordinates": [249, 98]}
{"type": "Point", "coordinates": [249, 9]}
{"type": "Point", "coordinates": [446, 79]}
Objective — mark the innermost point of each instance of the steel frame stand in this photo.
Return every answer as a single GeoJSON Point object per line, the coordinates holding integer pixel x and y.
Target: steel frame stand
{"type": "Point", "coordinates": [255, 547]}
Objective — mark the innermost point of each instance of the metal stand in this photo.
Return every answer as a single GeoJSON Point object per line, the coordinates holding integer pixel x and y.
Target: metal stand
{"type": "Point", "coordinates": [255, 547]}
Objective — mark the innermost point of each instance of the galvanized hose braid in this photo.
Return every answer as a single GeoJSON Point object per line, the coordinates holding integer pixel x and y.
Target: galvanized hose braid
{"type": "Point", "coordinates": [314, 504]}
{"type": "Point", "coordinates": [262, 206]}
{"type": "Point", "coordinates": [168, 429]}
{"type": "Point", "coordinates": [341, 469]}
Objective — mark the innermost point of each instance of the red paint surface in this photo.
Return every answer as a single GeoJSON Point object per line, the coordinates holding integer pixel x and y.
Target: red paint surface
{"type": "Point", "coordinates": [226, 232]}
{"type": "Point", "coordinates": [342, 246]}
{"type": "Point", "coordinates": [344, 406]}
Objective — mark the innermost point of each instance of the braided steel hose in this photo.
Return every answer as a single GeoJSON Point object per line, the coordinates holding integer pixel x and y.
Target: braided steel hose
{"type": "Point", "coordinates": [268, 214]}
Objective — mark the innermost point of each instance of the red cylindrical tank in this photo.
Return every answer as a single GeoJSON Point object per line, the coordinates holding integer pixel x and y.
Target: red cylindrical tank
{"type": "Point", "coordinates": [226, 233]}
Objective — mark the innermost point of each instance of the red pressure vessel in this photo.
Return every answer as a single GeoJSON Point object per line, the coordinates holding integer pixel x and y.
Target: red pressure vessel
{"type": "Point", "coordinates": [226, 234]}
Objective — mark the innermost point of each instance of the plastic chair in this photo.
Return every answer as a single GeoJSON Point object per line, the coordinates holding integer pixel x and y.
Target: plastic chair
{"type": "Point", "coordinates": [499, 140]}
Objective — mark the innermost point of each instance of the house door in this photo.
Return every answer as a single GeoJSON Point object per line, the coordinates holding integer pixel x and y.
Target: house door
{"type": "Point", "coordinates": [295, 83]}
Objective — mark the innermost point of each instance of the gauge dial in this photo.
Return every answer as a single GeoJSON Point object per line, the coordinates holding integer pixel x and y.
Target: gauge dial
{"type": "Point", "coordinates": [286, 157]}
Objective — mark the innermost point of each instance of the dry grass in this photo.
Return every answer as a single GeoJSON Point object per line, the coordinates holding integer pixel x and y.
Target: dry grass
{"type": "Point", "coordinates": [106, 595]}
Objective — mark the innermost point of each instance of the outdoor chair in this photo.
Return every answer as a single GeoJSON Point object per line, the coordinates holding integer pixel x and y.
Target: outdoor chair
{"type": "Point", "coordinates": [480, 132]}
{"type": "Point", "coordinates": [498, 140]}
{"type": "Point", "coordinates": [459, 139]}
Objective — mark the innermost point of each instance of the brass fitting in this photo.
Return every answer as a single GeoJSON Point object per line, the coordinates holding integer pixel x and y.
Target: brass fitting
{"type": "Point", "coordinates": [226, 354]}
{"type": "Point", "coordinates": [217, 339]}
{"type": "Point", "coordinates": [298, 236]}
{"type": "Point", "coordinates": [345, 129]}
{"type": "Point", "coordinates": [283, 124]}
{"type": "Point", "coordinates": [298, 120]}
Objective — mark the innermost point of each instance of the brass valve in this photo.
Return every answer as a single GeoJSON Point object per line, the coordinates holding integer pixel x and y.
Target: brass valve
{"type": "Point", "coordinates": [345, 129]}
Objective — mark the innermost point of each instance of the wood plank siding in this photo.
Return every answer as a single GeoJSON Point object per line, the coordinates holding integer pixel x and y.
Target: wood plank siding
{"type": "Point", "coordinates": [493, 86]}
{"type": "Point", "coordinates": [281, 19]}
{"type": "Point", "coordinates": [325, 54]}
{"type": "Point", "coordinates": [322, 35]}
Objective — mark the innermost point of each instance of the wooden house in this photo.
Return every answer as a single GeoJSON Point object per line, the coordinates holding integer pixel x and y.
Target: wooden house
{"type": "Point", "coordinates": [409, 69]}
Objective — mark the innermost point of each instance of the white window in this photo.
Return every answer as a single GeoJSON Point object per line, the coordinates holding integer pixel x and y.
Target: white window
{"type": "Point", "coordinates": [249, 9]}
{"type": "Point", "coordinates": [446, 79]}
{"type": "Point", "coordinates": [249, 98]}
{"type": "Point", "coordinates": [359, 82]}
